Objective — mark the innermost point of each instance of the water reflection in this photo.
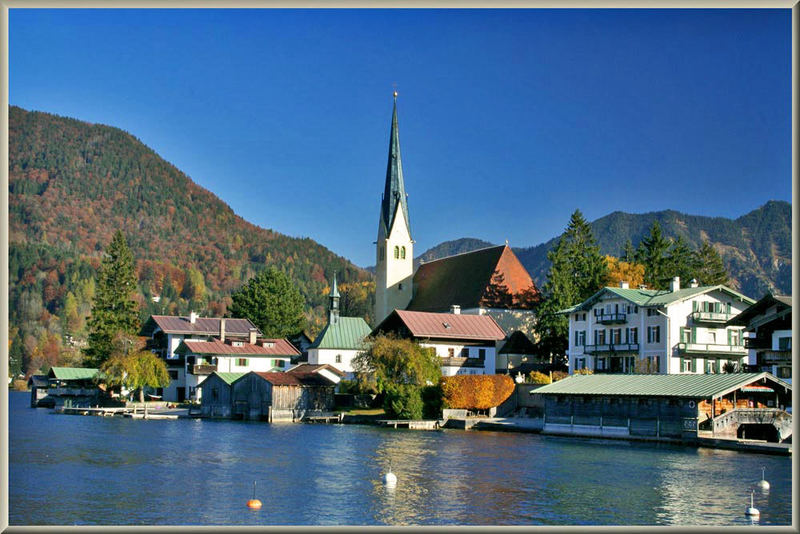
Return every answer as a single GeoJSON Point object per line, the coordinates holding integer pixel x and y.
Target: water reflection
{"type": "Point", "coordinates": [201, 472]}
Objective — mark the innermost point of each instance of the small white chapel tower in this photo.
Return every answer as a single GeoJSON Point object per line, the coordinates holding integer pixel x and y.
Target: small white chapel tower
{"type": "Point", "coordinates": [394, 266]}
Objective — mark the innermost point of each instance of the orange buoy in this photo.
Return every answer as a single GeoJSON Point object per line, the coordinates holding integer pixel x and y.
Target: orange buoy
{"type": "Point", "coordinates": [254, 504]}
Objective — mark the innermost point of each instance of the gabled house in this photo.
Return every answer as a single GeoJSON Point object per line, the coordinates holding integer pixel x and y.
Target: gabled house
{"type": "Point", "coordinates": [201, 358]}
{"type": "Point", "coordinates": [519, 355]}
{"type": "Point", "coordinates": [216, 398]}
{"type": "Point", "coordinates": [331, 373]}
{"type": "Point", "coordinates": [465, 344]}
{"type": "Point", "coordinates": [341, 339]}
{"type": "Point", "coordinates": [281, 396]}
{"type": "Point", "coordinates": [770, 322]}
{"type": "Point", "coordinates": [680, 330]}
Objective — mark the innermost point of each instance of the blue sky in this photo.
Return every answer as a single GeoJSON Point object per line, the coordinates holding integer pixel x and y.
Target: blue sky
{"type": "Point", "coordinates": [509, 119]}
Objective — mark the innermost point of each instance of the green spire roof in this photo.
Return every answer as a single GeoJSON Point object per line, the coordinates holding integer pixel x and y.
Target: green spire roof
{"type": "Point", "coordinates": [394, 192]}
{"type": "Point", "coordinates": [334, 290]}
{"type": "Point", "coordinates": [345, 333]}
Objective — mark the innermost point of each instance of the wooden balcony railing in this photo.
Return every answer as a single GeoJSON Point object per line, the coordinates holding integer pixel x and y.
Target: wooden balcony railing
{"type": "Point", "coordinates": [611, 348]}
{"type": "Point", "coordinates": [611, 318]}
{"type": "Point", "coordinates": [203, 369]}
{"type": "Point", "coordinates": [710, 317]}
{"type": "Point", "coordinates": [711, 348]}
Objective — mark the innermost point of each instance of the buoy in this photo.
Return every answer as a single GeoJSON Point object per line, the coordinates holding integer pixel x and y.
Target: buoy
{"type": "Point", "coordinates": [751, 510]}
{"type": "Point", "coordinates": [254, 504]}
{"type": "Point", "coordinates": [763, 484]}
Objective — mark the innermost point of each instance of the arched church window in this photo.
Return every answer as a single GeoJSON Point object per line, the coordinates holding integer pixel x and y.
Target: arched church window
{"type": "Point", "coordinates": [402, 253]}
{"type": "Point", "coordinates": [396, 252]}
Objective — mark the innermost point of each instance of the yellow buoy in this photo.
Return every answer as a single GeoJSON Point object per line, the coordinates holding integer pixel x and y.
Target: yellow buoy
{"type": "Point", "coordinates": [254, 504]}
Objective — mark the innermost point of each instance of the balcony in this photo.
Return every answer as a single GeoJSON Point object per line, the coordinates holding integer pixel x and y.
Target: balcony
{"type": "Point", "coordinates": [757, 342]}
{"type": "Point", "coordinates": [711, 348]}
{"type": "Point", "coordinates": [202, 369]}
{"type": "Point", "coordinates": [611, 348]}
{"type": "Point", "coordinates": [462, 362]}
{"type": "Point", "coordinates": [710, 317]}
{"type": "Point", "coordinates": [775, 356]}
{"type": "Point", "coordinates": [611, 318]}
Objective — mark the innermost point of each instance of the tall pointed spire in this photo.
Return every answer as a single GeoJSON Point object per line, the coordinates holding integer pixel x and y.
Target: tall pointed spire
{"type": "Point", "coordinates": [394, 191]}
{"type": "Point", "coordinates": [333, 312]}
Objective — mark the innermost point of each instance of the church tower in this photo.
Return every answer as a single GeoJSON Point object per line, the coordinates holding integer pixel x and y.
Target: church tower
{"type": "Point", "coordinates": [394, 251]}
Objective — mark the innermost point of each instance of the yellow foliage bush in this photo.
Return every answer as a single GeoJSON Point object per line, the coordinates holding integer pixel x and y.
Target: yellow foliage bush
{"type": "Point", "coordinates": [476, 392]}
{"type": "Point", "coordinates": [559, 375]}
{"type": "Point", "coordinates": [584, 371]}
{"type": "Point", "coordinates": [539, 378]}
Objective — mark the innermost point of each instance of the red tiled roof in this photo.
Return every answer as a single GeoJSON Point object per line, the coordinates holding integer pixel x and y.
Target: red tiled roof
{"type": "Point", "coordinates": [446, 325]}
{"type": "Point", "coordinates": [281, 348]}
{"type": "Point", "coordinates": [473, 279]}
{"type": "Point", "coordinates": [294, 379]}
{"type": "Point", "coordinates": [172, 324]}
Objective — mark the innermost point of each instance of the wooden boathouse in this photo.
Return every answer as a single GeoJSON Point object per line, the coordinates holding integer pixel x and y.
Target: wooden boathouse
{"type": "Point", "coordinates": [669, 407]}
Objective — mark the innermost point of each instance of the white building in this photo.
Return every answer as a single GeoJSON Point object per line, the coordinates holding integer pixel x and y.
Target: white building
{"type": "Point", "coordinates": [769, 322]}
{"type": "Point", "coordinates": [165, 333]}
{"type": "Point", "coordinates": [340, 340]}
{"type": "Point", "coordinates": [465, 344]}
{"type": "Point", "coordinates": [201, 358]}
{"type": "Point", "coordinates": [623, 330]}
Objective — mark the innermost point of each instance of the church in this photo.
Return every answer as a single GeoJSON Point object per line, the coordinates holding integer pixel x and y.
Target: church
{"type": "Point", "coordinates": [490, 281]}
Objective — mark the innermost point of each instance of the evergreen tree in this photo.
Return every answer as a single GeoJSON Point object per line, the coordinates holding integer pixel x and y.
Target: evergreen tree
{"type": "Point", "coordinates": [653, 253]}
{"type": "Point", "coordinates": [577, 271]}
{"type": "Point", "coordinates": [682, 261]}
{"type": "Point", "coordinates": [711, 270]}
{"type": "Point", "coordinates": [113, 311]}
{"type": "Point", "coordinates": [271, 302]}
{"type": "Point", "coordinates": [628, 252]}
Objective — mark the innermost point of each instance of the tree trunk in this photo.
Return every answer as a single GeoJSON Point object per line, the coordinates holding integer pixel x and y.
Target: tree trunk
{"type": "Point", "coordinates": [141, 399]}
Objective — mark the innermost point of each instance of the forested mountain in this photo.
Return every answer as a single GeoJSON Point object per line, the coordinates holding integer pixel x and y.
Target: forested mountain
{"type": "Point", "coordinates": [756, 247]}
{"type": "Point", "coordinates": [72, 184]}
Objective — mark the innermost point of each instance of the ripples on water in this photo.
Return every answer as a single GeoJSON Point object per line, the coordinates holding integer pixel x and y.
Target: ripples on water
{"type": "Point", "coordinates": [108, 470]}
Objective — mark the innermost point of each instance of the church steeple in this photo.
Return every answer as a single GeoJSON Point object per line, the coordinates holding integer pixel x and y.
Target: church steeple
{"type": "Point", "coordinates": [394, 191]}
{"type": "Point", "coordinates": [333, 312]}
{"type": "Point", "coordinates": [394, 251]}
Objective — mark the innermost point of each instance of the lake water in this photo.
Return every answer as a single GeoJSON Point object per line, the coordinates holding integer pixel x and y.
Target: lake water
{"type": "Point", "coordinates": [66, 470]}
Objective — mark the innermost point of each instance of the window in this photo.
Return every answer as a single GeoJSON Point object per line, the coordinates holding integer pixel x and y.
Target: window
{"type": "Point", "coordinates": [278, 363]}
{"type": "Point", "coordinates": [338, 358]}
{"type": "Point", "coordinates": [686, 335]}
{"type": "Point", "coordinates": [656, 364]}
{"type": "Point", "coordinates": [784, 343]}
{"type": "Point", "coordinates": [580, 338]}
{"type": "Point", "coordinates": [653, 334]}
{"type": "Point", "coordinates": [215, 394]}
{"type": "Point", "coordinates": [686, 365]}
{"type": "Point", "coordinates": [599, 337]}
{"type": "Point", "coordinates": [173, 375]}
{"type": "Point", "coordinates": [580, 363]}
{"type": "Point", "coordinates": [451, 352]}
{"type": "Point", "coordinates": [241, 362]}
{"type": "Point", "coordinates": [399, 287]}
{"type": "Point", "coordinates": [616, 336]}
{"type": "Point", "coordinates": [633, 335]}
{"type": "Point", "coordinates": [402, 253]}
{"type": "Point", "coordinates": [482, 354]}
{"type": "Point", "coordinates": [733, 337]}
{"type": "Point", "coordinates": [396, 252]}
{"type": "Point", "coordinates": [465, 352]}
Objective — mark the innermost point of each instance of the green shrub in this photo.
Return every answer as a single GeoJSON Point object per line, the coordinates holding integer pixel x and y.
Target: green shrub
{"type": "Point", "coordinates": [403, 401]}
{"type": "Point", "coordinates": [432, 401]}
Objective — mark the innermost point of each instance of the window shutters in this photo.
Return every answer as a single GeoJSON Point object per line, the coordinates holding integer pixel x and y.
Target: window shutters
{"type": "Point", "coordinates": [729, 336]}
{"type": "Point", "coordinates": [694, 305]}
{"type": "Point", "coordinates": [694, 335]}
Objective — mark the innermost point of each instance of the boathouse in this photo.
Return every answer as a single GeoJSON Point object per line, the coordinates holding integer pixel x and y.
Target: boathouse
{"type": "Point", "coordinates": [669, 407]}
{"type": "Point", "coordinates": [39, 385]}
{"type": "Point", "coordinates": [216, 398]}
{"type": "Point", "coordinates": [281, 396]}
{"type": "Point", "coordinates": [72, 386]}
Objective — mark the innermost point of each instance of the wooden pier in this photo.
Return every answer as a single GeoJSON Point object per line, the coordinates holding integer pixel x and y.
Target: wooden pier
{"type": "Point", "coordinates": [412, 425]}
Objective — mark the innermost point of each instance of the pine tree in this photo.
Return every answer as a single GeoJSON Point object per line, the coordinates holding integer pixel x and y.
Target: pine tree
{"type": "Point", "coordinates": [113, 311]}
{"type": "Point", "coordinates": [711, 270]}
{"type": "Point", "coordinates": [682, 261]}
{"type": "Point", "coordinates": [271, 302]}
{"type": "Point", "coordinates": [577, 271]}
{"type": "Point", "coordinates": [628, 252]}
{"type": "Point", "coordinates": [653, 253]}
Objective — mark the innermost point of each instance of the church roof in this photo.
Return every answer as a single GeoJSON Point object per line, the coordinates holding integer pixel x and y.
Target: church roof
{"type": "Point", "coordinates": [345, 333]}
{"type": "Point", "coordinates": [466, 280]}
{"type": "Point", "coordinates": [518, 343]}
{"type": "Point", "coordinates": [394, 192]}
{"type": "Point", "coordinates": [442, 326]}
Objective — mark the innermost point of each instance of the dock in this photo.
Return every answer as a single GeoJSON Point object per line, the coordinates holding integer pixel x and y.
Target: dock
{"type": "Point", "coordinates": [331, 418]}
{"type": "Point", "coordinates": [412, 425]}
{"type": "Point", "coordinates": [123, 412]}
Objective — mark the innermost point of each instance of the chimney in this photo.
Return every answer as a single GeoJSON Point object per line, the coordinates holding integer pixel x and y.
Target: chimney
{"type": "Point", "coordinates": [455, 309]}
{"type": "Point", "coordinates": [675, 284]}
{"type": "Point", "coordinates": [624, 285]}
{"type": "Point", "coordinates": [693, 282]}
{"type": "Point", "coordinates": [252, 336]}
{"type": "Point", "coordinates": [222, 330]}
{"type": "Point", "coordinates": [192, 317]}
